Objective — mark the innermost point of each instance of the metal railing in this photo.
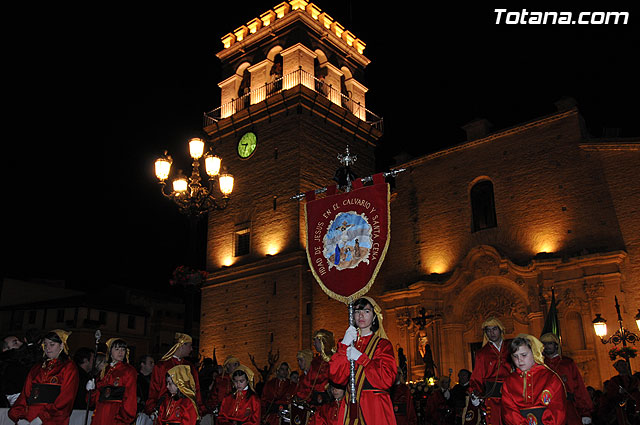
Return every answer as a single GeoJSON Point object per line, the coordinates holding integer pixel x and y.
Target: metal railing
{"type": "Point", "coordinates": [286, 82]}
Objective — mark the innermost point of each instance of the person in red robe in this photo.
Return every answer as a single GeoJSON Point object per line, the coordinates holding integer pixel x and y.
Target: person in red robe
{"type": "Point", "coordinates": [276, 395]}
{"type": "Point", "coordinates": [621, 398]}
{"type": "Point", "coordinates": [243, 406]}
{"type": "Point", "coordinates": [375, 367]}
{"type": "Point", "coordinates": [403, 406]}
{"type": "Point", "coordinates": [180, 407]}
{"type": "Point", "coordinates": [115, 395]}
{"type": "Point", "coordinates": [174, 357]}
{"type": "Point", "coordinates": [533, 394]}
{"type": "Point", "coordinates": [328, 413]}
{"type": "Point", "coordinates": [222, 385]}
{"type": "Point", "coordinates": [580, 404]}
{"type": "Point", "coordinates": [438, 410]}
{"type": "Point", "coordinates": [49, 391]}
{"type": "Point", "coordinates": [491, 369]}
{"type": "Point", "coordinates": [312, 387]}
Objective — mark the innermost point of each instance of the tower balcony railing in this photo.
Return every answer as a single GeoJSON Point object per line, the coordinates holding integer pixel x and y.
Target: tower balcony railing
{"type": "Point", "coordinates": [286, 82]}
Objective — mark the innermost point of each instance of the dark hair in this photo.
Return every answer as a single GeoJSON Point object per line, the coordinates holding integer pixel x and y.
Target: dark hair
{"type": "Point", "coordinates": [179, 394]}
{"type": "Point", "coordinates": [82, 354]}
{"type": "Point", "coordinates": [361, 304]}
{"type": "Point", "coordinates": [118, 343]}
{"type": "Point", "coordinates": [52, 336]}
{"type": "Point", "coordinates": [144, 358]}
{"type": "Point", "coordinates": [518, 342]}
{"type": "Point", "coordinates": [240, 372]}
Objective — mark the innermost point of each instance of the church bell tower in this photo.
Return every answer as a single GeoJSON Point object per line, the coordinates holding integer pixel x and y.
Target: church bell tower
{"type": "Point", "coordinates": [292, 100]}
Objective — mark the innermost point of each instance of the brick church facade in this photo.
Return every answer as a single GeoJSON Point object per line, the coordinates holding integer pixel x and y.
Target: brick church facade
{"type": "Point", "coordinates": [486, 227]}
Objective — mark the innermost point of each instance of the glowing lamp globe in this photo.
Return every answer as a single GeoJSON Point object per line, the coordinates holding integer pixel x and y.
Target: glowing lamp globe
{"type": "Point", "coordinates": [600, 326]}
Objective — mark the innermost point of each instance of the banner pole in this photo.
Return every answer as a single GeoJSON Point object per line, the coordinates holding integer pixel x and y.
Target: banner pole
{"type": "Point", "coordinates": [352, 362]}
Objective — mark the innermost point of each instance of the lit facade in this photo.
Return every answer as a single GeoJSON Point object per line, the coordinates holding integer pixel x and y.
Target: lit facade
{"type": "Point", "coordinates": [487, 227]}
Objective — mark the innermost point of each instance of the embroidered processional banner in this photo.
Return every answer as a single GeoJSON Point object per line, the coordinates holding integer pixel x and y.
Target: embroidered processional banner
{"type": "Point", "coordinates": [348, 237]}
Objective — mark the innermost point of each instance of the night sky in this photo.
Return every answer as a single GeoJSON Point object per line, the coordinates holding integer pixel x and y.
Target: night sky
{"type": "Point", "coordinates": [97, 93]}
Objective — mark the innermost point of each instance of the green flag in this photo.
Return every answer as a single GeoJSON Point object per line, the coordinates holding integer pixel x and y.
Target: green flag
{"type": "Point", "coordinates": [551, 323]}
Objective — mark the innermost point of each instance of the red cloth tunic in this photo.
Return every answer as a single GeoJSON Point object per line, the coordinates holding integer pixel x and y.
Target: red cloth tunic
{"type": "Point", "coordinates": [60, 372]}
{"type": "Point", "coordinates": [176, 411]}
{"type": "Point", "coordinates": [491, 365]}
{"type": "Point", "coordinates": [538, 387]}
{"type": "Point", "coordinates": [436, 410]}
{"type": "Point", "coordinates": [581, 405]}
{"type": "Point", "coordinates": [242, 407]}
{"type": "Point", "coordinates": [222, 387]}
{"type": "Point", "coordinates": [327, 414]}
{"type": "Point", "coordinates": [380, 372]}
{"type": "Point", "coordinates": [116, 412]}
{"type": "Point", "coordinates": [403, 407]}
{"type": "Point", "coordinates": [316, 379]}
{"type": "Point", "coordinates": [158, 385]}
{"type": "Point", "coordinates": [276, 394]}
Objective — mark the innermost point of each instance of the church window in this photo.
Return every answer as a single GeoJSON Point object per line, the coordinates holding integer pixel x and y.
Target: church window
{"type": "Point", "coordinates": [483, 208]}
{"type": "Point", "coordinates": [242, 242]}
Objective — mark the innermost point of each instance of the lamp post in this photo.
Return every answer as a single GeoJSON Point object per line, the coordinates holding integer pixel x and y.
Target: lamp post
{"type": "Point", "coordinates": [195, 199]}
{"type": "Point", "coordinates": [620, 336]}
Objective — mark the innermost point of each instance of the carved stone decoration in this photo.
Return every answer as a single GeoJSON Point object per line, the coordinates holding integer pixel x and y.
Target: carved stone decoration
{"type": "Point", "coordinates": [498, 302]}
{"type": "Point", "coordinates": [403, 319]}
{"type": "Point", "coordinates": [486, 266]}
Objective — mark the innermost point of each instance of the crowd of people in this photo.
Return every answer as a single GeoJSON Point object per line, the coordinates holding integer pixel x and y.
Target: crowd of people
{"type": "Point", "coordinates": [353, 381]}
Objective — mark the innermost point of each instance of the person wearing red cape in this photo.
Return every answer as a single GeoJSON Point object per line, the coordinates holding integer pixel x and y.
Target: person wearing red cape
{"type": "Point", "coordinates": [276, 394]}
{"type": "Point", "coordinates": [533, 394]}
{"type": "Point", "coordinates": [177, 355]}
{"type": "Point", "coordinates": [180, 407]}
{"type": "Point", "coordinates": [49, 391]}
{"type": "Point", "coordinates": [375, 364]}
{"type": "Point", "coordinates": [491, 369]}
{"type": "Point", "coordinates": [242, 407]}
{"type": "Point", "coordinates": [328, 413]}
{"type": "Point", "coordinates": [115, 397]}
{"type": "Point", "coordinates": [315, 378]}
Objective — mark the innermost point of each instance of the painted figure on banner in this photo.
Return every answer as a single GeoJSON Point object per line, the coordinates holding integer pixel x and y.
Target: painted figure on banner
{"type": "Point", "coordinates": [347, 244]}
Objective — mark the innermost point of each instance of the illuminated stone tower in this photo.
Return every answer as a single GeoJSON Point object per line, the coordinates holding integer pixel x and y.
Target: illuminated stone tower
{"type": "Point", "coordinates": [291, 101]}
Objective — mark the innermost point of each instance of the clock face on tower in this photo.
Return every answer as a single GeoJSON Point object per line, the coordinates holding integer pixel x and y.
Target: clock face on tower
{"type": "Point", "coordinates": [247, 145]}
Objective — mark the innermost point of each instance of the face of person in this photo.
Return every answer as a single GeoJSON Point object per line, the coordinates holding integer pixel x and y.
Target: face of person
{"type": "Point", "coordinates": [550, 348]}
{"type": "Point", "coordinates": [147, 366]}
{"type": "Point", "coordinates": [118, 353]}
{"type": "Point", "coordinates": [364, 318]}
{"type": "Point", "coordinates": [317, 344]}
{"type": "Point", "coordinates": [240, 382]}
{"type": "Point", "coordinates": [184, 350]}
{"type": "Point", "coordinates": [463, 377]}
{"type": "Point", "coordinates": [302, 363]}
{"type": "Point", "coordinates": [523, 358]}
{"type": "Point", "coordinates": [171, 387]}
{"type": "Point", "coordinates": [337, 393]}
{"type": "Point", "coordinates": [52, 349]}
{"type": "Point", "coordinates": [621, 367]}
{"type": "Point", "coordinates": [282, 372]}
{"type": "Point", "coordinates": [494, 334]}
{"type": "Point", "coordinates": [295, 377]}
{"type": "Point", "coordinates": [86, 365]}
{"type": "Point", "coordinates": [12, 342]}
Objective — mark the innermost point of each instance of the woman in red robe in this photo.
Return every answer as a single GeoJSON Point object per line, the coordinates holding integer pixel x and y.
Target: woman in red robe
{"type": "Point", "coordinates": [533, 394]}
{"type": "Point", "coordinates": [242, 406]}
{"type": "Point", "coordinates": [375, 365]}
{"type": "Point", "coordinates": [180, 407]}
{"type": "Point", "coordinates": [50, 388]}
{"type": "Point", "coordinates": [115, 398]}
{"type": "Point", "coordinates": [312, 387]}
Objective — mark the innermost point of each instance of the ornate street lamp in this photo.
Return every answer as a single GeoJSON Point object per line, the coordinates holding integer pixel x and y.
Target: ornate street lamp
{"type": "Point", "coordinates": [620, 336]}
{"type": "Point", "coordinates": [191, 197]}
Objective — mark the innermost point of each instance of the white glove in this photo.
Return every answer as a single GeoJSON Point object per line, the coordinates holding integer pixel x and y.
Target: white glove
{"type": "Point", "coordinates": [36, 421]}
{"type": "Point", "coordinates": [91, 385]}
{"type": "Point", "coordinates": [22, 422]}
{"type": "Point", "coordinates": [153, 416]}
{"type": "Point", "coordinates": [11, 398]}
{"type": "Point", "coordinates": [586, 420]}
{"type": "Point", "coordinates": [353, 353]}
{"type": "Point", "coordinates": [350, 335]}
{"type": "Point", "coordinates": [447, 394]}
{"type": "Point", "coordinates": [475, 400]}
